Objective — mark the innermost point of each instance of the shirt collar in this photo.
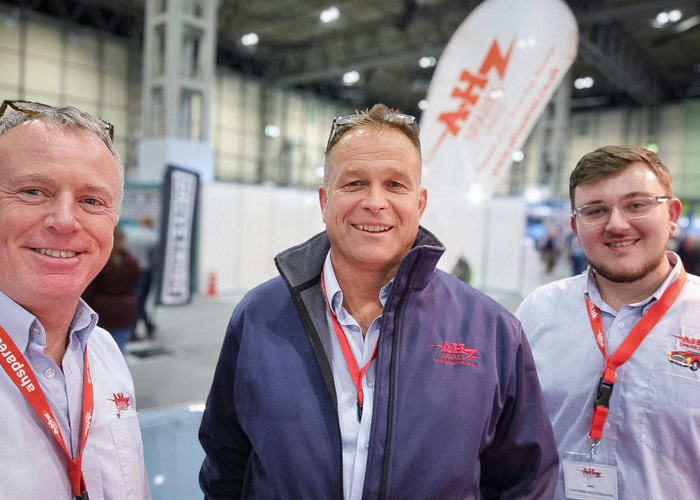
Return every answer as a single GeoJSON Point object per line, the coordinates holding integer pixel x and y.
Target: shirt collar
{"type": "Point", "coordinates": [590, 288]}
{"type": "Point", "coordinates": [23, 327]}
{"type": "Point", "coordinates": [335, 294]}
{"type": "Point", "coordinates": [17, 322]}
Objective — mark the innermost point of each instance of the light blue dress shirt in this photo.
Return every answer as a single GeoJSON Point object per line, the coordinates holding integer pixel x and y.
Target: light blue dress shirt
{"type": "Point", "coordinates": [653, 427]}
{"type": "Point", "coordinates": [355, 434]}
{"type": "Point", "coordinates": [33, 464]}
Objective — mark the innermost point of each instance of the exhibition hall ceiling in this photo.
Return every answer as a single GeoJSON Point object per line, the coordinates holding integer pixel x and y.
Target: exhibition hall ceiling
{"type": "Point", "coordinates": [637, 52]}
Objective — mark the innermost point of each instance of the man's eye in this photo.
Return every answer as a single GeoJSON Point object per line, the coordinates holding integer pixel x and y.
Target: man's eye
{"type": "Point", "coordinates": [595, 211]}
{"type": "Point", "coordinates": [91, 201]}
{"type": "Point", "coordinates": [637, 206]}
{"type": "Point", "coordinates": [32, 191]}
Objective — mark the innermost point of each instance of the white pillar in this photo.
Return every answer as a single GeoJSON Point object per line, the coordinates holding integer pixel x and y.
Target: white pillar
{"type": "Point", "coordinates": [178, 74]}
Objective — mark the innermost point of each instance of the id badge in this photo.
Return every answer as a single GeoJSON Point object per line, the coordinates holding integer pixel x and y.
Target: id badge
{"type": "Point", "coordinates": [587, 477]}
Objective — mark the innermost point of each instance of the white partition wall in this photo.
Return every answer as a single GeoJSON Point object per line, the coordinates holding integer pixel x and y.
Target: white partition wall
{"type": "Point", "coordinates": [243, 227]}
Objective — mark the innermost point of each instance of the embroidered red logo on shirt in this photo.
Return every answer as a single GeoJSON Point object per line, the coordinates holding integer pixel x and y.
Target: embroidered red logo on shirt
{"type": "Point", "coordinates": [120, 401]}
{"type": "Point", "coordinates": [454, 353]}
{"type": "Point", "coordinates": [591, 472]}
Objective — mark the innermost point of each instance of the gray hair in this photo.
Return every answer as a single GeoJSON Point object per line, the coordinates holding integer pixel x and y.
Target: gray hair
{"type": "Point", "coordinates": [71, 118]}
{"type": "Point", "coordinates": [378, 116]}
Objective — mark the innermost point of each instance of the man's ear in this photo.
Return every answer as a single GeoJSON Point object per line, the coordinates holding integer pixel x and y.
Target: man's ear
{"type": "Point", "coordinates": [323, 200]}
{"type": "Point", "coordinates": [422, 200]}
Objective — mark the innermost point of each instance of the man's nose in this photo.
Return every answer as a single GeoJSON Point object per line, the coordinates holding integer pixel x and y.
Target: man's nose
{"type": "Point", "coordinates": [62, 216]}
{"type": "Point", "coordinates": [617, 219]}
{"type": "Point", "coordinates": [376, 198]}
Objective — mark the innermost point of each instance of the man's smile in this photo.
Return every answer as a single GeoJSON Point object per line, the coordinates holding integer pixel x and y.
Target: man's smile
{"type": "Point", "coordinates": [371, 229]}
{"type": "Point", "coordinates": [62, 254]}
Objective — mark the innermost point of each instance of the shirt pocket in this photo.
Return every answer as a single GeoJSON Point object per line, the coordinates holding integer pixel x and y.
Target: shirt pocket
{"type": "Point", "coordinates": [126, 435]}
{"type": "Point", "coordinates": [671, 420]}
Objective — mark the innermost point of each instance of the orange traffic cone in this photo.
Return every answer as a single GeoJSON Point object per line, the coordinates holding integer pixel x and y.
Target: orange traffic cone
{"type": "Point", "coordinates": [211, 290]}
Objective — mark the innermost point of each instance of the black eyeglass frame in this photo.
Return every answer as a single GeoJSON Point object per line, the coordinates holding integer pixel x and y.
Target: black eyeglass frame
{"type": "Point", "coordinates": [342, 121]}
{"type": "Point", "coordinates": [17, 106]}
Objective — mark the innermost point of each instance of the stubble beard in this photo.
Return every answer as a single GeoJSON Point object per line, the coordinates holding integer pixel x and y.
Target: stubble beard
{"type": "Point", "coordinates": [627, 276]}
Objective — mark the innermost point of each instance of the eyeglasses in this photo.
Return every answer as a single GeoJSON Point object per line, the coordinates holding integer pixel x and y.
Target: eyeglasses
{"type": "Point", "coordinates": [633, 208]}
{"type": "Point", "coordinates": [34, 108]}
{"type": "Point", "coordinates": [339, 122]}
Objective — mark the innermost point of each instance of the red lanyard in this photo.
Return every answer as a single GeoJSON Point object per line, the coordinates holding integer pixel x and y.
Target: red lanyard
{"type": "Point", "coordinates": [356, 373]}
{"type": "Point", "coordinates": [19, 371]}
{"type": "Point", "coordinates": [626, 349]}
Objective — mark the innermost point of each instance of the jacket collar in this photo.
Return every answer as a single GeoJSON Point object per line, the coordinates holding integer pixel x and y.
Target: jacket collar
{"type": "Point", "coordinates": [301, 265]}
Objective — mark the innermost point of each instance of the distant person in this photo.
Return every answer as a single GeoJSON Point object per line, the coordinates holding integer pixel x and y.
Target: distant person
{"type": "Point", "coordinates": [363, 371]}
{"type": "Point", "coordinates": [68, 425]}
{"type": "Point", "coordinates": [688, 250]}
{"type": "Point", "coordinates": [579, 261]}
{"type": "Point", "coordinates": [618, 347]}
{"type": "Point", "coordinates": [550, 251]}
{"type": "Point", "coordinates": [142, 243]}
{"type": "Point", "coordinates": [111, 293]}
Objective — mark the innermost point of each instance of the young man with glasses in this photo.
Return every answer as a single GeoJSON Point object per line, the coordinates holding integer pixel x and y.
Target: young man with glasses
{"type": "Point", "coordinates": [615, 346]}
{"type": "Point", "coordinates": [364, 372]}
{"type": "Point", "coordinates": [67, 417]}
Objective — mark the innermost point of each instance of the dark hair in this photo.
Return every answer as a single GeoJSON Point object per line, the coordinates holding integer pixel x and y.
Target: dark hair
{"type": "Point", "coordinates": [609, 160]}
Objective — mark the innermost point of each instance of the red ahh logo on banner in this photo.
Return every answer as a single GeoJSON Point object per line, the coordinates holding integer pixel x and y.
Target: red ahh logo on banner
{"type": "Point", "coordinates": [469, 95]}
{"type": "Point", "coordinates": [494, 78]}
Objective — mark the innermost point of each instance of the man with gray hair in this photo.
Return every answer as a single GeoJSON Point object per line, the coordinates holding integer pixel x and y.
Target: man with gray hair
{"type": "Point", "coordinates": [618, 347]}
{"type": "Point", "coordinates": [362, 371]}
{"type": "Point", "coordinates": [67, 413]}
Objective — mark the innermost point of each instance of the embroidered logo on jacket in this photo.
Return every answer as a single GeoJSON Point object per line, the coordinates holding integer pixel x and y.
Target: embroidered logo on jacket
{"type": "Point", "coordinates": [456, 354]}
{"type": "Point", "coordinates": [120, 401]}
{"type": "Point", "coordinates": [688, 353]}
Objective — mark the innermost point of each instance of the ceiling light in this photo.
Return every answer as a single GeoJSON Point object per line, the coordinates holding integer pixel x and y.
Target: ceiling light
{"type": "Point", "coordinates": [272, 131]}
{"type": "Point", "coordinates": [584, 83]}
{"type": "Point", "coordinates": [249, 39]}
{"type": "Point", "coordinates": [351, 77]}
{"type": "Point", "coordinates": [330, 14]}
{"type": "Point", "coordinates": [422, 104]}
{"type": "Point", "coordinates": [475, 195]}
{"type": "Point", "coordinates": [517, 156]}
{"type": "Point", "coordinates": [652, 146]}
{"type": "Point", "coordinates": [662, 18]}
{"type": "Point", "coordinates": [427, 62]}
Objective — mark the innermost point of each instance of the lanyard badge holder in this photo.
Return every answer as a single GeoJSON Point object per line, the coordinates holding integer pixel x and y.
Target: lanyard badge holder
{"type": "Point", "coordinates": [592, 476]}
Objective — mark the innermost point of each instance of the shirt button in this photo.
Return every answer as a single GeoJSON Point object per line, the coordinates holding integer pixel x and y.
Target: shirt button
{"type": "Point", "coordinates": [366, 445]}
{"type": "Point", "coordinates": [607, 425]}
{"type": "Point", "coordinates": [621, 324]}
{"type": "Point", "coordinates": [35, 330]}
{"type": "Point", "coordinates": [50, 372]}
{"type": "Point", "coordinates": [370, 385]}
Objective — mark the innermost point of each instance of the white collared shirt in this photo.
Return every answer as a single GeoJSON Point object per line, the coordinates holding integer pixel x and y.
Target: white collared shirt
{"type": "Point", "coordinates": [355, 435]}
{"type": "Point", "coordinates": [33, 463]}
{"type": "Point", "coordinates": [655, 404]}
